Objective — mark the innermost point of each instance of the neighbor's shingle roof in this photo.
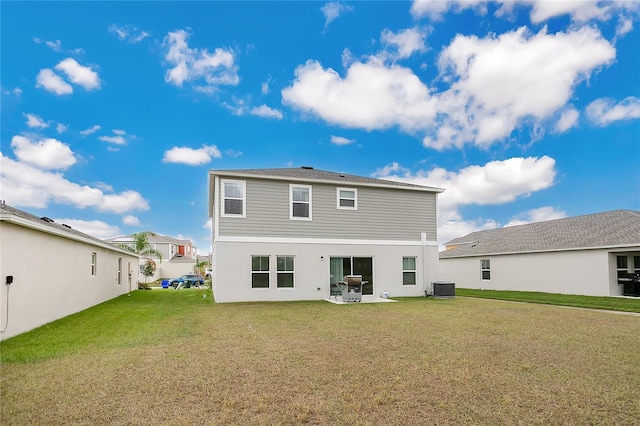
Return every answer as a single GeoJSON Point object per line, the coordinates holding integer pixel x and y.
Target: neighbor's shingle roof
{"type": "Point", "coordinates": [58, 228]}
{"type": "Point", "coordinates": [618, 228]}
{"type": "Point", "coordinates": [311, 174]}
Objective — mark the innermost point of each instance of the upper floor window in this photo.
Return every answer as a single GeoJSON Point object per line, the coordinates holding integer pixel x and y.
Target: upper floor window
{"type": "Point", "coordinates": [234, 198]}
{"type": "Point", "coordinates": [300, 202]}
{"type": "Point", "coordinates": [347, 198]}
{"type": "Point", "coordinates": [485, 267]}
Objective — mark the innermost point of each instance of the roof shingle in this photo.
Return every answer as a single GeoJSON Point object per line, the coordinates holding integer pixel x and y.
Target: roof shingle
{"type": "Point", "coordinates": [311, 174]}
{"type": "Point", "coordinates": [618, 228]}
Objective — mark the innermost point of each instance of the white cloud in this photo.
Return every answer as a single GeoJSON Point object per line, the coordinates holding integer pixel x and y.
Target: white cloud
{"type": "Point", "coordinates": [371, 96]}
{"type": "Point", "coordinates": [128, 33]}
{"type": "Point", "coordinates": [333, 10]}
{"type": "Point", "coordinates": [35, 121]}
{"type": "Point", "coordinates": [340, 140]}
{"type": "Point", "coordinates": [232, 153]}
{"type": "Point", "coordinates": [436, 9]}
{"type": "Point", "coordinates": [96, 228]}
{"type": "Point", "coordinates": [537, 215]}
{"type": "Point", "coordinates": [208, 224]}
{"type": "Point", "coordinates": [492, 86]}
{"type": "Point", "coordinates": [56, 46]}
{"type": "Point", "coordinates": [90, 130]}
{"type": "Point", "coordinates": [52, 82]}
{"type": "Point", "coordinates": [117, 139]}
{"type": "Point", "coordinates": [79, 74]}
{"type": "Point", "coordinates": [210, 69]}
{"type": "Point", "coordinates": [131, 220]}
{"type": "Point", "coordinates": [190, 156]}
{"type": "Point", "coordinates": [61, 128]}
{"type": "Point", "coordinates": [25, 185]}
{"type": "Point", "coordinates": [265, 86]}
{"type": "Point", "coordinates": [496, 182]}
{"type": "Point", "coordinates": [267, 112]}
{"type": "Point", "coordinates": [567, 120]}
{"type": "Point", "coordinates": [625, 25]}
{"type": "Point", "coordinates": [579, 11]}
{"type": "Point", "coordinates": [44, 154]}
{"type": "Point", "coordinates": [604, 111]}
{"type": "Point", "coordinates": [498, 83]}
{"type": "Point", "coordinates": [406, 42]}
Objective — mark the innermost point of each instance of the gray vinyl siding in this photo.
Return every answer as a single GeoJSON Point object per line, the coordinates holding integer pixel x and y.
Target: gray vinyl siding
{"type": "Point", "coordinates": [383, 213]}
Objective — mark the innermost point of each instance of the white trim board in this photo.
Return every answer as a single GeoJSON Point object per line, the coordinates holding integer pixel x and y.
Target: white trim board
{"type": "Point", "coordinates": [336, 241]}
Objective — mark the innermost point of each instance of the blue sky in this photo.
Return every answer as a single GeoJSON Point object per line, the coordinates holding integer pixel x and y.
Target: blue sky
{"type": "Point", "coordinates": [113, 112]}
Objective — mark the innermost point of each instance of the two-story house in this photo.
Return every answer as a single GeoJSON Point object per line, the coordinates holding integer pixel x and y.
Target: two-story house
{"type": "Point", "coordinates": [178, 255]}
{"type": "Point", "coordinates": [287, 234]}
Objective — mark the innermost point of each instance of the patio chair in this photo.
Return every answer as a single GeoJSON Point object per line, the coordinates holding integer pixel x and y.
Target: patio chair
{"type": "Point", "coordinates": [334, 290]}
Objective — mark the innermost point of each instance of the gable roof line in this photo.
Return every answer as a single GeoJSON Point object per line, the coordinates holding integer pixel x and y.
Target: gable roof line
{"type": "Point", "coordinates": [555, 250]}
{"type": "Point", "coordinates": [306, 175]}
{"type": "Point", "coordinates": [21, 218]}
{"type": "Point", "coordinates": [605, 230]}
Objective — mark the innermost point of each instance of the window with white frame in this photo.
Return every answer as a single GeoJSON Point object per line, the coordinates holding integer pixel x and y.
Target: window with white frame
{"type": "Point", "coordinates": [485, 268]}
{"type": "Point", "coordinates": [119, 271]}
{"type": "Point", "coordinates": [622, 266]}
{"type": "Point", "coordinates": [347, 198]}
{"type": "Point", "coordinates": [285, 271]}
{"type": "Point", "coordinates": [636, 263]}
{"type": "Point", "coordinates": [259, 271]}
{"type": "Point", "coordinates": [409, 271]}
{"type": "Point", "coordinates": [300, 202]}
{"type": "Point", "coordinates": [234, 196]}
{"type": "Point", "coordinates": [94, 263]}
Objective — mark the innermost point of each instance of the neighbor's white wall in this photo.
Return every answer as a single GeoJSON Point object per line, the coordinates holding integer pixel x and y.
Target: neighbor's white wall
{"type": "Point", "coordinates": [175, 269]}
{"type": "Point", "coordinates": [584, 272]}
{"type": "Point", "coordinates": [232, 269]}
{"type": "Point", "coordinates": [52, 277]}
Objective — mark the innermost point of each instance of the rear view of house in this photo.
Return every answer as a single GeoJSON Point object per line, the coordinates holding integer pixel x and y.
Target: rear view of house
{"type": "Point", "coordinates": [49, 270]}
{"type": "Point", "coordinates": [591, 255]}
{"type": "Point", "coordinates": [288, 234]}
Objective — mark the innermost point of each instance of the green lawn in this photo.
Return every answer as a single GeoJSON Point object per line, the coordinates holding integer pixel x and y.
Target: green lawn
{"type": "Point", "coordinates": [592, 302]}
{"type": "Point", "coordinates": [175, 357]}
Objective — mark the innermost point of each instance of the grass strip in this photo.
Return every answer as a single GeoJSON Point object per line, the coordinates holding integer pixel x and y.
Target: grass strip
{"type": "Point", "coordinates": [591, 302]}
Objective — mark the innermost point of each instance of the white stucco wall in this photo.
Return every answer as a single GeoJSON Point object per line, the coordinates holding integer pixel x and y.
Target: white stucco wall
{"type": "Point", "coordinates": [167, 270]}
{"type": "Point", "coordinates": [232, 269]}
{"type": "Point", "coordinates": [583, 272]}
{"type": "Point", "coordinates": [52, 277]}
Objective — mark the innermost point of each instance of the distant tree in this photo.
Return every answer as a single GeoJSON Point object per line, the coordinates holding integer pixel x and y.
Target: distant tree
{"type": "Point", "coordinates": [148, 269]}
{"type": "Point", "coordinates": [141, 245]}
{"type": "Point", "coordinates": [200, 265]}
{"type": "Point", "coordinates": [143, 248]}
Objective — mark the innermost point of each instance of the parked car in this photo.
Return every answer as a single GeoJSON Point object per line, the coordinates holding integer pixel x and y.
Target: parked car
{"type": "Point", "coordinates": [187, 281]}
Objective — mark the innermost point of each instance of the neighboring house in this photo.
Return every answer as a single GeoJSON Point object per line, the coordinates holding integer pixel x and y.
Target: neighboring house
{"type": "Point", "coordinates": [591, 255]}
{"type": "Point", "coordinates": [54, 271]}
{"type": "Point", "coordinates": [288, 234]}
{"type": "Point", "coordinates": [178, 256]}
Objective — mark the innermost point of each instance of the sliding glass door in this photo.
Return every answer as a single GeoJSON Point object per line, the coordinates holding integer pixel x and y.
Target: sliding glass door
{"type": "Point", "coordinates": [341, 266]}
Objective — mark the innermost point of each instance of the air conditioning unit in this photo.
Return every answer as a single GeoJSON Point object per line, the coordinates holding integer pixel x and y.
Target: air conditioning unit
{"type": "Point", "coordinates": [444, 289]}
